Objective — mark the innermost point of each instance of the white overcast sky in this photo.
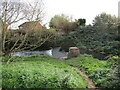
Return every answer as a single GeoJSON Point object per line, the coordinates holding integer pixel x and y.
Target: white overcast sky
{"type": "Point", "coordinates": [87, 9]}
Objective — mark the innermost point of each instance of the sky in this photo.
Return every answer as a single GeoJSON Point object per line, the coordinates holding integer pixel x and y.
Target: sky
{"type": "Point", "coordinates": [87, 9]}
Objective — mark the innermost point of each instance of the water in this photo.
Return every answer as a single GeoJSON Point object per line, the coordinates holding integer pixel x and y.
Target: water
{"type": "Point", "coordinates": [29, 53]}
{"type": "Point", "coordinates": [52, 52]}
{"type": "Point", "coordinates": [58, 54]}
{"type": "Point", "coordinates": [55, 52]}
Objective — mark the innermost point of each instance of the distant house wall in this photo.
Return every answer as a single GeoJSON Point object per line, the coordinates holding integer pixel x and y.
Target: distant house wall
{"type": "Point", "coordinates": [34, 25]}
{"type": "Point", "coordinates": [37, 26]}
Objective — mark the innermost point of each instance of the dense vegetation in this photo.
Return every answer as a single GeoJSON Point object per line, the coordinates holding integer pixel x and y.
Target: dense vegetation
{"type": "Point", "coordinates": [40, 72]}
{"type": "Point", "coordinates": [47, 72]}
{"type": "Point", "coordinates": [30, 40]}
{"type": "Point", "coordinates": [104, 74]}
{"type": "Point", "coordinates": [90, 39]}
{"type": "Point", "coordinates": [102, 36]}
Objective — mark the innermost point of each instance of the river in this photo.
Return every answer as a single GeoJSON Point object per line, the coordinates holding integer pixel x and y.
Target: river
{"type": "Point", "coordinates": [55, 52]}
{"type": "Point", "coordinates": [52, 52]}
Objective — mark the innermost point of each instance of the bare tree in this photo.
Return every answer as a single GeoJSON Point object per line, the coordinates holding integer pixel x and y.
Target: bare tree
{"type": "Point", "coordinates": [35, 10]}
{"type": "Point", "coordinates": [13, 12]}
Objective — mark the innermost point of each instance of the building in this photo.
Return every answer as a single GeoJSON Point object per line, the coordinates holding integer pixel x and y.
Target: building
{"type": "Point", "coordinates": [33, 25]}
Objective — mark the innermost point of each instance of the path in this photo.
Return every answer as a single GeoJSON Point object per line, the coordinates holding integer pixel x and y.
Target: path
{"type": "Point", "coordinates": [56, 53]}
{"type": "Point", "coordinates": [89, 81]}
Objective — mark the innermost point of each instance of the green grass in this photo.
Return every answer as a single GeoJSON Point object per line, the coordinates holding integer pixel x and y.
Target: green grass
{"type": "Point", "coordinates": [26, 58]}
{"type": "Point", "coordinates": [40, 72]}
{"type": "Point", "coordinates": [101, 72]}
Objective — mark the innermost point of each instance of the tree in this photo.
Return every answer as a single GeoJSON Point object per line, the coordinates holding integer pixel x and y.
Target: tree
{"type": "Point", "coordinates": [13, 12]}
{"type": "Point", "coordinates": [35, 12]}
{"type": "Point", "coordinates": [105, 23]}
{"type": "Point", "coordinates": [58, 20]}
{"type": "Point", "coordinates": [62, 23]}
{"type": "Point", "coordinates": [81, 22]}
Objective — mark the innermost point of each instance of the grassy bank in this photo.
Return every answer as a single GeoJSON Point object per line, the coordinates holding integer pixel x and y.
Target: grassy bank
{"type": "Point", "coordinates": [103, 73]}
{"type": "Point", "coordinates": [40, 72]}
{"type": "Point", "coordinates": [47, 72]}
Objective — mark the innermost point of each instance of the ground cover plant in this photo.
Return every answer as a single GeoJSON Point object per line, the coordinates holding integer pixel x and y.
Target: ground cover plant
{"type": "Point", "coordinates": [39, 71]}
{"type": "Point", "coordinates": [103, 73]}
{"type": "Point", "coordinates": [45, 72]}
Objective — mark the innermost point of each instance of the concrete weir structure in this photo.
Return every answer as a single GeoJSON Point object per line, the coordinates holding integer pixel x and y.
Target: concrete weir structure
{"type": "Point", "coordinates": [73, 52]}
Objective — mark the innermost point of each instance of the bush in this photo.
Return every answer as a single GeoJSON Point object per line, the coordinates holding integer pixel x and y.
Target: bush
{"type": "Point", "coordinates": [65, 41]}
{"type": "Point", "coordinates": [31, 40]}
